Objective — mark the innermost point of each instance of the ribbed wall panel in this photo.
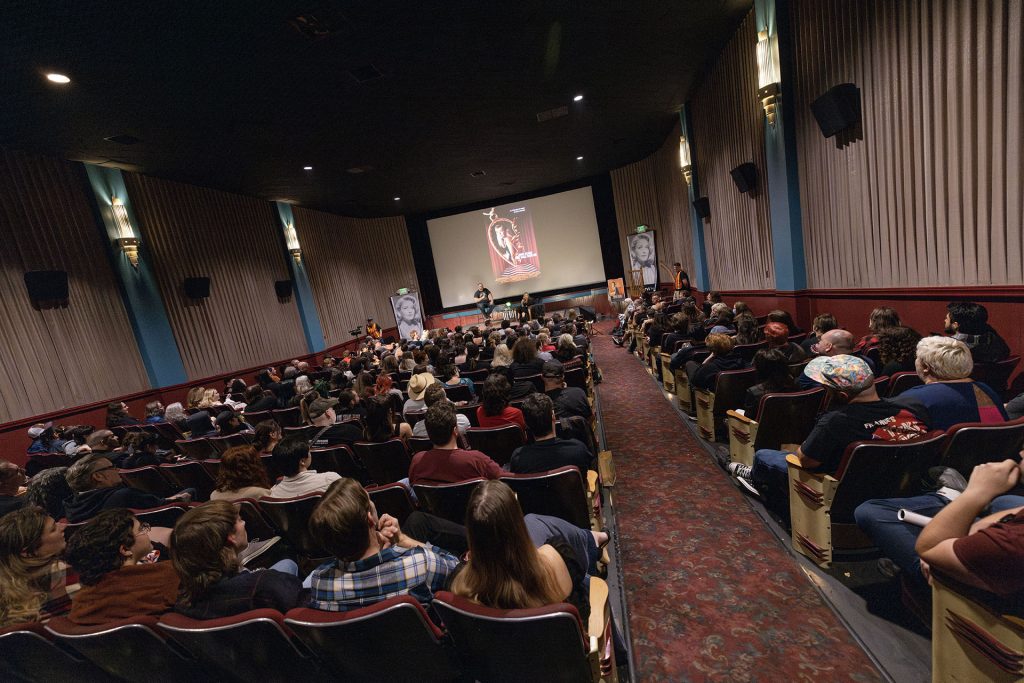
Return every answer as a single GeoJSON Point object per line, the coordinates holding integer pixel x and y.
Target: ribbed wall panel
{"type": "Point", "coordinates": [62, 357]}
{"type": "Point", "coordinates": [728, 124]}
{"type": "Point", "coordinates": [652, 192]}
{"type": "Point", "coordinates": [235, 240]}
{"type": "Point", "coordinates": [354, 264]}
{"type": "Point", "coordinates": [931, 194]}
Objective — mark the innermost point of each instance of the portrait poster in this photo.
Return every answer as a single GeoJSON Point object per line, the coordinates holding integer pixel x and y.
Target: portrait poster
{"type": "Point", "coordinates": [643, 256]}
{"type": "Point", "coordinates": [408, 314]}
{"type": "Point", "coordinates": [512, 245]}
{"type": "Point", "coordinates": [616, 289]}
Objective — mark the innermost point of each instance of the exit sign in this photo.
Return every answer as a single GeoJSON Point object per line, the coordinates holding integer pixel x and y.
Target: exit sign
{"type": "Point", "coordinates": [641, 228]}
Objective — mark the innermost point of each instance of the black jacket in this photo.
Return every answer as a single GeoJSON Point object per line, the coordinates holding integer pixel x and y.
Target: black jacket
{"type": "Point", "coordinates": [86, 505]}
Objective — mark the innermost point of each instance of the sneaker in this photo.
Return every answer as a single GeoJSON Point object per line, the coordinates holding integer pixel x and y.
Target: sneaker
{"type": "Point", "coordinates": [887, 568]}
{"type": "Point", "coordinates": [947, 477]}
{"type": "Point", "coordinates": [745, 486]}
{"type": "Point", "coordinates": [738, 469]}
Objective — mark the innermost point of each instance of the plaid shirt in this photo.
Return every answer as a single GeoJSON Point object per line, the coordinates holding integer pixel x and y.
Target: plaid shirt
{"type": "Point", "coordinates": [339, 586]}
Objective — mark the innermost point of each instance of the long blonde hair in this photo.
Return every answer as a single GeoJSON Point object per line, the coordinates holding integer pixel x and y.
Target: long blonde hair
{"type": "Point", "coordinates": [22, 594]}
{"type": "Point", "coordinates": [211, 397]}
{"type": "Point", "coordinates": [505, 570]}
{"type": "Point", "coordinates": [502, 356]}
{"type": "Point", "coordinates": [194, 396]}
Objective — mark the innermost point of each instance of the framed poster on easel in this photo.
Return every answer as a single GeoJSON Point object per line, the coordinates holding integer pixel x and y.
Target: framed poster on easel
{"type": "Point", "coordinates": [643, 257]}
{"type": "Point", "coordinates": [408, 314]}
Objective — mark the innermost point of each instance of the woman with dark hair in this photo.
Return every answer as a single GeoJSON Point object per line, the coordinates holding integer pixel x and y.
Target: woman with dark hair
{"type": "Point", "coordinates": [48, 490]}
{"type": "Point", "coordinates": [524, 359]}
{"type": "Point", "coordinates": [880, 320]}
{"type": "Point", "coordinates": [518, 562]}
{"type": "Point", "coordinates": [448, 374]}
{"type": "Point", "coordinates": [380, 425]}
{"type": "Point", "coordinates": [772, 369]}
{"type": "Point", "coordinates": [747, 329]}
{"type": "Point", "coordinates": [740, 308]}
{"type": "Point", "coordinates": [200, 425]}
{"type": "Point", "coordinates": [112, 555]}
{"type": "Point", "coordinates": [241, 475]}
{"type": "Point", "coordinates": [472, 357]}
{"type": "Point", "coordinates": [723, 357]}
{"type": "Point", "coordinates": [268, 435]}
{"type": "Point", "coordinates": [258, 399]}
{"type": "Point", "coordinates": [207, 541]}
{"type": "Point", "coordinates": [494, 410]}
{"type": "Point", "coordinates": [154, 412]}
{"type": "Point", "coordinates": [897, 347]}
{"type": "Point", "coordinates": [365, 383]}
{"type": "Point", "coordinates": [32, 579]}
{"type": "Point", "coordinates": [778, 316]}
{"type": "Point", "coordinates": [389, 364]}
{"type": "Point", "coordinates": [117, 415]}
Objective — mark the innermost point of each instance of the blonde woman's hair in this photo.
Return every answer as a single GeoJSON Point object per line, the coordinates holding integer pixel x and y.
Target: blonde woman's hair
{"type": "Point", "coordinates": [211, 397]}
{"type": "Point", "coordinates": [194, 396]}
{"type": "Point", "coordinates": [946, 358]}
{"type": "Point", "coordinates": [22, 594]}
{"type": "Point", "coordinates": [502, 356]}
{"type": "Point", "coordinates": [505, 570]}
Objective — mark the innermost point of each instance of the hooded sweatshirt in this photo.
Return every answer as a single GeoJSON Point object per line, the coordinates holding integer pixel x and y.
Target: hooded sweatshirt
{"type": "Point", "coordinates": [88, 504]}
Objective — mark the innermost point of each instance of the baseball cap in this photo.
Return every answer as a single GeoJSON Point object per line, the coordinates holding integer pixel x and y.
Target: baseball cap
{"type": "Point", "coordinates": [320, 406]}
{"type": "Point", "coordinates": [553, 368]}
{"type": "Point", "coordinates": [842, 372]}
{"type": "Point", "coordinates": [36, 430]}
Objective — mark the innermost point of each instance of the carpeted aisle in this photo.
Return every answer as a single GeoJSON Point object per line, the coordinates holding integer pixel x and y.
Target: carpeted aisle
{"type": "Point", "coordinates": [711, 594]}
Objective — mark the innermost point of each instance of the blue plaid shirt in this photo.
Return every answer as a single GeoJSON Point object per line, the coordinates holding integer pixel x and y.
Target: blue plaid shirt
{"type": "Point", "coordinates": [419, 572]}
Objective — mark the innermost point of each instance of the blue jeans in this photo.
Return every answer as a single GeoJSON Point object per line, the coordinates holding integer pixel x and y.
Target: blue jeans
{"type": "Point", "coordinates": [485, 307]}
{"type": "Point", "coordinates": [896, 539]}
{"type": "Point", "coordinates": [286, 567]}
{"type": "Point", "coordinates": [543, 529]}
{"type": "Point", "coordinates": [770, 475]}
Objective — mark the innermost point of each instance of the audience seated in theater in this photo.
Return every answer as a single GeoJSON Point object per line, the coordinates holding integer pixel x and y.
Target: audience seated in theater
{"type": "Point", "coordinates": [49, 490]}
{"type": "Point", "coordinates": [258, 399]}
{"type": "Point", "coordinates": [524, 359]}
{"type": "Point", "coordinates": [949, 395]}
{"type": "Point", "coordinates": [241, 475]}
{"type": "Point", "coordinates": [502, 358]}
{"type": "Point", "coordinates": [880, 320]}
{"type": "Point", "coordinates": [417, 385]}
{"type": "Point", "coordinates": [175, 414]}
{"type": "Point", "coordinates": [747, 329]}
{"type": "Point", "coordinates": [234, 394]}
{"type": "Point", "coordinates": [448, 374]}
{"type": "Point", "coordinates": [579, 336]}
{"type": "Point", "coordinates": [46, 438]}
{"type": "Point", "coordinates": [986, 553]}
{"type": "Point", "coordinates": [723, 357]}
{"type": "Point", "coordinates": [741, 308]}
{"type": "Point", "coordinates": [154, 412]}
{"type": "Point", "coordinates": [194, 397]}
{"type": "Point", "coordinates": [567, 352]}
{"type": "Point", "coordinates": [823, 322]}
{"type": "Point", "coordinates": [119, 571]}
{"type": "Point", "coordinates": [897, 348]}
{"type": "Point", "coordinates": [32, 577]}
{"type": "Point", "coordinates": [318, 411]}
{"type": "Point", "coordinates": [710, 300]}
{"type": "Point", "coordinates": [380, 421]}
{"type": "Point", "coordinates": [229, 422]}
{"type": "Point", "coordinates": [210, 399]}
{"type": "Point", "coordinates": [446, 462]}
{"type": "Point", "coordinates": [206, 542]}
{"type": "Point", "coordinates": [435, 393]}
{"type": "Point", "coordinates": [364, 385]}
{"type": "Point", "coordinates": [773, 376]}
{"type": "Point", "coordinates": [568, 401]}
{"type": "Point", "coordinates": [97, 486]}
{"type": "Point", "coordinates": [106, 442]}
{"type": "Point", "coordinates": [12, 479]}
{"type": "Point", "coordinates": [374, 558]}
{"type": "Point", "coordinates": [292, 461]}
{"type": "Point", "coordinates": [968, 322]}
{"type": "Point", "coordinates": [385, 385]}
{"type": "Point", "coordinates": [835, 342]}
{"type": "Point", "coordinates": [721, 320]}
{"type": "Point", "coordinates": [779, 316]}
{"type": "Point", "coordinates": [142, 449]}
{"type": "Point", "coordinates": [494, 410]}
{"type": "Point", "coordinates": [350, 405]}
{"type": "Point", "coordinates": [860, 416]}
{"type": "Point", "coordinates": [302, 387]}
{"type": "Point", "coordinates": [678, 330]}
{"type": "Point", "coordinates": [267, 435]}
{"type": "Point", "coordinates": [547, 452]}
{"type": "Point", "coordinates": [775, 334]}
{"type": "Point", "coordinates": [200, 425]}
{"type": "Point", "coordinates": [517, 563]}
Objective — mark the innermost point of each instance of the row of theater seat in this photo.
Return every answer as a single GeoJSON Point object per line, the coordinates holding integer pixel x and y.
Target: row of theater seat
{"type": "Point", "coordinates": [394, 640]}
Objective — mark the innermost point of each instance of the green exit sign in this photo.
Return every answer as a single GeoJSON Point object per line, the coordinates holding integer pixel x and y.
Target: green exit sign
{"type": "Point", "coordinates": [641, 228]}
{"type": "Point", "coordinates": [403, 291]}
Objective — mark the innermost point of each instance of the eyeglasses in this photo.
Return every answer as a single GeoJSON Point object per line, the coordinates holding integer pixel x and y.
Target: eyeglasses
{"type": "Point", "coordinates": [144, 528]}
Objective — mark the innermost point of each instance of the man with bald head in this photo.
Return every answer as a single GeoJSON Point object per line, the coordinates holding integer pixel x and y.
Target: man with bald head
{"type": "Point", "coordinates": [834, 343]}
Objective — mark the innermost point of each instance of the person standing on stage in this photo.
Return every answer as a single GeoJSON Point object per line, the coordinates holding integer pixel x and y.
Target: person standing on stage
{"type": "Point", "coordinates": [484, 300]}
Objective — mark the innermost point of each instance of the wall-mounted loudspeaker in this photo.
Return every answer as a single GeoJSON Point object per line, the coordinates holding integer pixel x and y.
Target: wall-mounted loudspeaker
{"type": "Point", "coordinates": [745, 177]}
{"type": "Point", "coordinates": [197, 287]}
{"type": "Point", "coordinates": [283, 288]}
{"type": "Point", "coordinates": [838, 109]}
{"type": "Point", "coordinates": [47, 286]}
{"type": "Point", "coordinates": [703, 207]}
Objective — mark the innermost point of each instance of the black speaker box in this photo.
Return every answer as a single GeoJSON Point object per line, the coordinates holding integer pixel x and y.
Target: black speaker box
{"type": "Point", "coordinates": [703, 207]}
{"type": "Point", "coordinates": [745, 177]}
{"type": "Point", "coordinates": [47, 285]}
{"type": "Point", "coordinates": [838, 109]}
{"type": "Point", "coordinates": [588, 313]}
{"type": "Point", "coordinates": [283, 288]}
{"type": "Point", "coordinates": [197, 287]}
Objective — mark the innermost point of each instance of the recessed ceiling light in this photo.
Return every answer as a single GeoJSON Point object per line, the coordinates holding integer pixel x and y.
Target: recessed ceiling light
{"type": "Point", "coordinates": [58, 78]}
{"type": "Point", "coordinates": [579, 158]}
{"type": "Point", "coordinates": [578, 98]}
{"type": "Point", "coordinates": [397, 198]}
{"type": "Point", "coordinates": [307, 168]}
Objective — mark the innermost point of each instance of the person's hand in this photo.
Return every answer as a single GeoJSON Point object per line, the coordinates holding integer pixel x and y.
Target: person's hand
{"type": "Point", "coordinates": [461, 403]}
{"type": "Point", "coordinates": [183, 497]}
{"type": "Point", "coordinates": [926, 571]}
{"type": "Point", "coordinates": [387, 527]}
{"type": "Point", "coordinates": [992, 479]}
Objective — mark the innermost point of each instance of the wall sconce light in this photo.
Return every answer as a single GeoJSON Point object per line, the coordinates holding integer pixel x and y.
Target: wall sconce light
{"type": "Point", "coordinates": [126, 240]}
{"type": "Point", "coordinates": [684, 160]}
{"type": "Point", "coordinates": [768, 78]}
{"type": "Point", "coordinates": [291, 238]}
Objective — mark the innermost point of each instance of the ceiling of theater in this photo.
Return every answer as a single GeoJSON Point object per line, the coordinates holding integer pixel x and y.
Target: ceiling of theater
{"type": "Point", "coordinates": [383, 99]}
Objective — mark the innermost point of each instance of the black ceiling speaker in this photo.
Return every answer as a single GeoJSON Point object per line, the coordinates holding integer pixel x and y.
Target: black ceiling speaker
{"type": "Point", "coordinates": [47, 286]}
{"type": "Point", "coordinates": [283, 288]}
{"type": "Point", "coordinates": [703, 207]}
{"type": "Point", "coordinates": [197, 287]}
{"type": "Point", "coordinates": [745, 177]}
{"type": "Point", "coordinates": [838, 109]}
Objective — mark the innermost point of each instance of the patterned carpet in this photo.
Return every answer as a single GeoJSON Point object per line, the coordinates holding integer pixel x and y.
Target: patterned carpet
{"type": "Point", "coordinates": [711, 594]}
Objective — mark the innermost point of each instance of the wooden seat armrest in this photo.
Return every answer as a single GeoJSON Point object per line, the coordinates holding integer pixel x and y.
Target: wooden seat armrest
{"type": "Point", "coordinates": [599, 609]}
{"type": "Point", "coordinates": [741, 418]}
{"type": "Point", "coordinates": [592, 479]}
{"type": "Point", "coordinates": [793, 461]}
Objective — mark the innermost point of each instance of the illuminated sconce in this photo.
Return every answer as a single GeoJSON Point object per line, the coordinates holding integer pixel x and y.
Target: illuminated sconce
{"type": "Point", "coordinates": [684, 160]}
{"type": "Point", "coordinates": [126, 240]}
{"type": "Point", "coordinates": [291, 238]}
{"type": "Point", "coordinates": [768, 78]}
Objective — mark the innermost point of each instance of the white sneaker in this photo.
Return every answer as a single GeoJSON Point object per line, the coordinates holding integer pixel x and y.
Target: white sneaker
{"type": "Point", "coordinates": [738, 469]}
{"type": "Point", "coordinates": [745, 486]}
